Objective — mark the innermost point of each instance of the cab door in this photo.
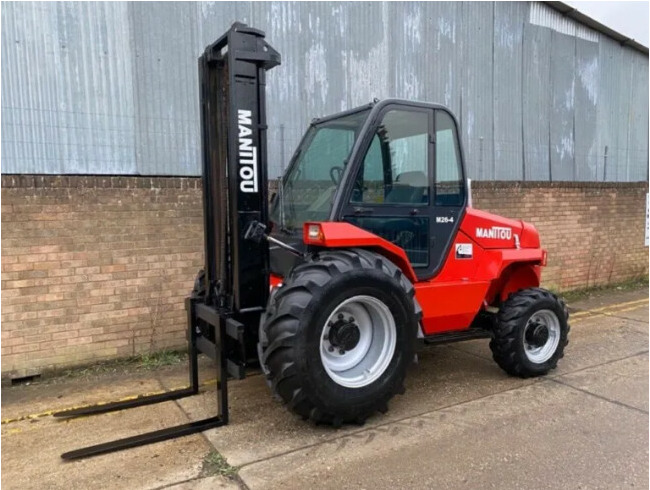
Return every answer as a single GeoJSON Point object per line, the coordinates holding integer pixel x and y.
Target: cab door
{"type": "Point", "coordinates": [408, 185]}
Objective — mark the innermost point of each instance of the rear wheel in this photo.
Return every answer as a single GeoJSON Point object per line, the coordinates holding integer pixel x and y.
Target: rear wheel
{"type": "Point", "coordinates": [337, 337]}
{"type": "Point", "coordinates": [530, 333]}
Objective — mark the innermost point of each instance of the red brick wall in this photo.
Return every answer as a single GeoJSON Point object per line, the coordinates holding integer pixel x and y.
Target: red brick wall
{"type": "Point", "coordinates": [594, 232]}
{"type": "Point", "coordinates": [98, 267]}
{"type": "Point", "coordinates": [95, 267]}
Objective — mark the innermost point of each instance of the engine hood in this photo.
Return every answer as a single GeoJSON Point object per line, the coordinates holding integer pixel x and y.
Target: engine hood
{"type": "Point", "coordinates": [491, 231]}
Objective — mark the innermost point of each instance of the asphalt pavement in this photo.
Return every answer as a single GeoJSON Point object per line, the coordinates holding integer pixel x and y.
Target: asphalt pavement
{"type": "Point", "coordinates": [462, 423]}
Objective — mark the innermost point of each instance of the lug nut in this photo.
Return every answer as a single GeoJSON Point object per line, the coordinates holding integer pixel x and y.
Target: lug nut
{"type": "Point", "coordinates": [341, 352]}
{"type": "Point", "coordinates": [340, 316]}
{"type": "Point", "coordinates": [351, 320]}
{"type": "Point", "coordinates": [330, 348]}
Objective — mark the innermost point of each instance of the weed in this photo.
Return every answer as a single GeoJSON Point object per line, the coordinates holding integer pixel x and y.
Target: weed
{"type": "Point", "coordinates": [134, 363]}
{"type": "Point", "coordinates": [159, 359]}
{"type": "Point", "coordinates": [215, 464]}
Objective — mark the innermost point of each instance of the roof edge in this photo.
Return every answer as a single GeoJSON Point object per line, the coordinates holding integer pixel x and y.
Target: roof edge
{"type": "Point", "coordinates": [575, 14]}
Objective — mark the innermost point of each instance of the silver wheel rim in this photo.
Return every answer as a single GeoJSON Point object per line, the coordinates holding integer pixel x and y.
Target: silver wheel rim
{"type": "Point", "coordinates": [368, 359]}
{"type": "Point", "coordinates": [536, 351]}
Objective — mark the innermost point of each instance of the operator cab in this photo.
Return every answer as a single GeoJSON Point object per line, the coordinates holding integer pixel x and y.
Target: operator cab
{"type": "Point", "coordinates": [393, 168]}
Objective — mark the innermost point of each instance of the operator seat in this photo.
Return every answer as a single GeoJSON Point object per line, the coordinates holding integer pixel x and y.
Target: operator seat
{"type": "Point", "coordinates": [409, 188]}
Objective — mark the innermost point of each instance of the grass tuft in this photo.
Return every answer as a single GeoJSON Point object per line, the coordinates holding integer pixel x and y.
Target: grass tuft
{"type": "Point", "coordinates": [144, 362]}
{"type": "Point", "coordinates": [215, 464]}
{"type": "Point", "coordinates": [159, 359]}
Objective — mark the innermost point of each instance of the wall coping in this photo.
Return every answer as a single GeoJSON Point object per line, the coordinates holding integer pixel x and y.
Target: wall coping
{"type": "Point", "coordinates": [514, 184]}
{"type": "Point", "coordinates": [30, 181]}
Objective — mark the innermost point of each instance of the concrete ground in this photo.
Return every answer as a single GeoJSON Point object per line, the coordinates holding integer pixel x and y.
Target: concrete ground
{"type": "Point", "coordinates": [462, 423]}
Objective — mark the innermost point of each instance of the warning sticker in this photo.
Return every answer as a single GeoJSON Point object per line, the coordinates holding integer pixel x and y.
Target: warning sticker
{"type": "Point", "coordinates": [464, 251]}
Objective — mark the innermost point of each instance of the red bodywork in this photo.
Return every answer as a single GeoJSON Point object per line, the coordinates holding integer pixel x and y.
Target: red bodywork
{"type": "Point", "coordinates": [505, 257]}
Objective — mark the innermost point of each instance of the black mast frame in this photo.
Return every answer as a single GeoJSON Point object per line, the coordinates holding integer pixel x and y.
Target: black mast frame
{"type": "Point", "coordinates": [224, 309]}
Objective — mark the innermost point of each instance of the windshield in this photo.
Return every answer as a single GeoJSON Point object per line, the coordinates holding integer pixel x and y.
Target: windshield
{"type": "Point", "coordinates": [308, 187]}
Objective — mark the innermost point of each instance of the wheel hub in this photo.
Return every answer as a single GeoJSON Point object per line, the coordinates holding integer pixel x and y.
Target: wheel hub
{"type": "Point", "coordinates": [358, 341]}
{"type": "Point", "coordinates": [344, 334]}
{"type": "Point", "coordinates": [537, 336]}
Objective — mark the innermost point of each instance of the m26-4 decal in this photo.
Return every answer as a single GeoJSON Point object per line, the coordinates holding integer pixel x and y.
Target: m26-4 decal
{"type": "Point", "coordinates": [444, 219]}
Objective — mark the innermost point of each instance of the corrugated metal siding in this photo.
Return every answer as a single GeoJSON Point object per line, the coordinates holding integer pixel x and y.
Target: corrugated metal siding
{"type": "Point", "coordinates": [562, 135]}
{"type": "Point", "coordinates": [477, 78]}
{"type": "Point", "coordinates": [585, 111]}
{"type": "Point", "coordinates": [507, 60]}
{"type": "Point", "coordinates": [536, 106]}
{"type": "Point", "coordinates": [67, 89]}
{"type": "Point", "coordinates": [111, 88]}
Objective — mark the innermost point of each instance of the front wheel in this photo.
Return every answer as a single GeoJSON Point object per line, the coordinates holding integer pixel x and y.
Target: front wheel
{"type": "Point", "coordinates": [337, 337]}
{"type": "Point", "coordinates": [358, 341]}
{"type": "Point", "coordinates": [531, 333]}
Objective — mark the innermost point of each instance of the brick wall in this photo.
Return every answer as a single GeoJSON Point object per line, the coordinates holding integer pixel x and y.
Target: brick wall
{"type": "Point", "coordinates": [95, 267]}
{"type": "Point", "coordinates": [594, 232]}
{"type": "Point", "coordinates": [98, 267]}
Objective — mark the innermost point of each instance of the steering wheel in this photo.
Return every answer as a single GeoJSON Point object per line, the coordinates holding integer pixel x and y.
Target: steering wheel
{"type": "Point", "coordinates": [335, 174]}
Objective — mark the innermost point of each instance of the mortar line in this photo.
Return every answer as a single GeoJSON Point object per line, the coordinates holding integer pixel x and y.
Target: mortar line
{"type": "Point", "coordinates": [587, 392]}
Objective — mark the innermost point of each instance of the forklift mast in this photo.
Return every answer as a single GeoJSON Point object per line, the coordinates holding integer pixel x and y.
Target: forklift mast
{"type": "Point", "coordinates": [232, 75]}
{"type": "Point", "coordinates": [224, 309]}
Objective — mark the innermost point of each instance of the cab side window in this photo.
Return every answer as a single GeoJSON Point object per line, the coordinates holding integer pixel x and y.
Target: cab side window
{"type": "Point", "coordinates": [369, 184]}
{"type": "Point", "coordinates": [395, 169]}
{"type": "Point", "coordinates": [393, 180]}
{"type": "Point", "coordinates": [449, 188]}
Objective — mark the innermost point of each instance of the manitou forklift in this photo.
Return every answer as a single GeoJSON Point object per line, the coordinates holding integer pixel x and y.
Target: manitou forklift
{"type": "Point", "coordinates": [370, 246]}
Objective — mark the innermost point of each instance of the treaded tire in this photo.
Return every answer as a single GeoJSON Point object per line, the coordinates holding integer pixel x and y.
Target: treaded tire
{"type": "Point", "coordinates": [291, 328]}
{"type": "Point", "coordinates": [507, 345]}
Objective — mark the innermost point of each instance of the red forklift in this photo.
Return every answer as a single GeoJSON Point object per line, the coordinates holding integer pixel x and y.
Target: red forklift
{"type": "Point", "coordinates": [369, 246]}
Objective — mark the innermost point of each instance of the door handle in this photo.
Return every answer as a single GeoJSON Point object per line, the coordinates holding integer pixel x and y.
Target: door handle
{"type": "Point", "coordinates": [360, 211]}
